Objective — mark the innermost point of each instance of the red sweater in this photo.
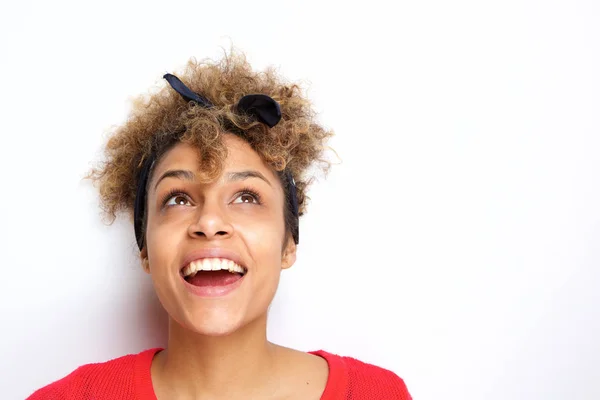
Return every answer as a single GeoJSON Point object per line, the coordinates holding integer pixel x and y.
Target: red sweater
{"type": "Point", "coordinates": [128, 378]}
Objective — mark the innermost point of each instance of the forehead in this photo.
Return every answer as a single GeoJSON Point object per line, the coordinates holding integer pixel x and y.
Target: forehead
{"type": "Point", "coordinates": [240, 156]}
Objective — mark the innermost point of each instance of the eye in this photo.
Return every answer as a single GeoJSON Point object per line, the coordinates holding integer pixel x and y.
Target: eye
{"type": "Point", "coordinates": [178, 200]}
{"type": "Point", "coordinates": [247, 197]}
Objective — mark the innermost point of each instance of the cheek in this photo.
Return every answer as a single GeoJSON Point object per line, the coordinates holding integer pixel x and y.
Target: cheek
{"type": "Point", "coordinates": [266, 252]}
{"type": "Point", "coordinates": [263, 240]}
{"type": "Point", "coordinates": [165, 230]}
{"type": "Point", "coordinates": [261, 229]}
{"type": "Point", "coordinates": [162, 242]}
{"type": "Point", "coordinates": [162, 239]}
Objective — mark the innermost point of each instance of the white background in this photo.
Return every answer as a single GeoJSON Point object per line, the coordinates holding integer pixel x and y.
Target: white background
{"type": "Point", "coordinates": [457, 244]}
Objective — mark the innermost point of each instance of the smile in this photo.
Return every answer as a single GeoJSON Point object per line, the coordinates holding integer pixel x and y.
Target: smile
{"type": "Point", "coordinates": [210, 277]}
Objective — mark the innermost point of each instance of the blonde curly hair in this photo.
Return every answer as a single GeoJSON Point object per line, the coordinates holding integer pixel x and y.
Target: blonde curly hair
{"type": "Point", "coordinates": [159, 120]}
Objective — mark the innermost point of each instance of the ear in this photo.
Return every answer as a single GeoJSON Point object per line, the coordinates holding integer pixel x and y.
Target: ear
{"type": "Point", "coordinates": [145, 262]}
{"type": "Point", "coordinates": [288, 257]}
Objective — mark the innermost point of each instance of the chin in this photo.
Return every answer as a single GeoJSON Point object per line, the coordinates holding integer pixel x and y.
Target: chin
{"type": "Point", "coordinates": [214, 322]}
{"type": "Point", "coordinates": [214, 328]}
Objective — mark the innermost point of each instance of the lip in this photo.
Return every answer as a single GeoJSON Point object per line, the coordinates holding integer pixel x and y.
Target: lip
{"type": "Point", "coordinates": [212, 291]}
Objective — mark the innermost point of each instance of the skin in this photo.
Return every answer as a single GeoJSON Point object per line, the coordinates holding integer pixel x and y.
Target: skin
{"type": "Point", "coordinates": [217, 347]}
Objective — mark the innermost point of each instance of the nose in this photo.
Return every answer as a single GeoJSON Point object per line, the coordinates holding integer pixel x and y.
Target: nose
{"type": "Point", "coordinates": [210, 223]}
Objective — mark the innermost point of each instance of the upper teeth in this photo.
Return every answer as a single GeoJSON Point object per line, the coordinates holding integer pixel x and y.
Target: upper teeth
{"type": "Point", "coordinates": [211, 264]}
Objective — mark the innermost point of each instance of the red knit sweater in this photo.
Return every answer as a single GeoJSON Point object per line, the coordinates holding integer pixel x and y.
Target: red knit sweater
{"type": "Point", "coordinates": [128, 378]}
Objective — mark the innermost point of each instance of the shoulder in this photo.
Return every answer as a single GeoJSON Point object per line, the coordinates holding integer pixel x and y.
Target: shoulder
{"type": "Point", "coordinates": [102, 380]}
{"type": "Point", "coordinates": [361, 380]}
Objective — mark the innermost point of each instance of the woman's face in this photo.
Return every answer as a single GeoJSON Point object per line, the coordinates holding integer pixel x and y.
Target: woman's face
{"type": "Point", "coordinates": [235, 221]}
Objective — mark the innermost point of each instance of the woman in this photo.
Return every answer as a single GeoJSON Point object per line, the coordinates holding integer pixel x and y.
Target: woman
{"type": "Point", "coordinates": [213, 172]}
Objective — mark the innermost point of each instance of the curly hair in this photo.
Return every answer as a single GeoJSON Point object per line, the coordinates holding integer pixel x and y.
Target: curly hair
{"type": "Point", "coordinates": [159, 120]}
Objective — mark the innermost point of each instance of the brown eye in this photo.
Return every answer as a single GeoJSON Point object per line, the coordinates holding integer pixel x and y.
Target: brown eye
{"type": "Point", "coordinates": [177, 200]}
{"type": "Point", "coordinates": [247, 198]}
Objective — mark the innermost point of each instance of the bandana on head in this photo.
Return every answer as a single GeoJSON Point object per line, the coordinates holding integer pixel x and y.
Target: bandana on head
{"type": "Point", "coordinates": [262, 107]}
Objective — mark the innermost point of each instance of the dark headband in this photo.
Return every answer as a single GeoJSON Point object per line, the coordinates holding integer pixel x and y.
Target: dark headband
{"type": "Point", "coordinates": [264, 108]}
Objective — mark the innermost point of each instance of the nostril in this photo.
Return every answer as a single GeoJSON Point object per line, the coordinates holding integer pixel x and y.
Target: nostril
{"type": "Point", "coordinates": [204, 234]}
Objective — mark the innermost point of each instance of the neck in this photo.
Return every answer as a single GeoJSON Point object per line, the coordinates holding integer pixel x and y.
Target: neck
{"type": "Point", "coordinates": [229, 366]}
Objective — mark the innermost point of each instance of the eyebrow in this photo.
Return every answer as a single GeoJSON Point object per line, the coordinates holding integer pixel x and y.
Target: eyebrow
{"type": "Point", "coordinates": [176, 173]}
{"type": "Point", "coordinates": [243, 175]}
{"type": "Point", "coordinates": [232, 176]}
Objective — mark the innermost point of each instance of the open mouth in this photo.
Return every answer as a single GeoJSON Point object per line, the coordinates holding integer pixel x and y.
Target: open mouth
{"type": "Point", "coordinates": [212, 272]}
